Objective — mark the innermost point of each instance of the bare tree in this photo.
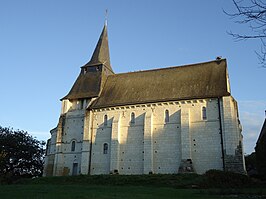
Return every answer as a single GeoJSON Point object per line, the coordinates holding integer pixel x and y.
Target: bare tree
{"type": "Point", "coordinates": [253, 13]}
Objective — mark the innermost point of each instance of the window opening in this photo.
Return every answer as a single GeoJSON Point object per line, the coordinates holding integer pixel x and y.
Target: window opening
{"type": "Point", "coordinates": [105, 120]}
{"type": "Point", "coordinates": [105, 148]}
{"type": "Point", "coordinates": [132, 121]}
{"type": "Point", "coordinates": [73, 146]}
{"type": "Point", "coordinates": [166, 117]}
{"type": "Point", "coordinates": [204, 113]}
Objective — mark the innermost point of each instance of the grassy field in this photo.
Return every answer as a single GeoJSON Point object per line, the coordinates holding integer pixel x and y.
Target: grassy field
{"type": "Point", "coordinates": [114, 192]}
{"type": "Point", "coordinates": [192, 186]}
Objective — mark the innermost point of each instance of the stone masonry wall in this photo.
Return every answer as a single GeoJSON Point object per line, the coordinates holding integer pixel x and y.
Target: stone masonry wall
{"type": "Point", "coordinates": [152, 145]}
{"type": "Point", "coordinates": [69, 130]}
{"type": "Point", "coordinates": [189, 140]}
{"type": "Point", "coordinates": [233, 150]}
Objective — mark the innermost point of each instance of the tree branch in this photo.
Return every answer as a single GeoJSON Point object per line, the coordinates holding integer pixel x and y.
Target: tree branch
{"type": "Point", "coordinates": [252, 12]}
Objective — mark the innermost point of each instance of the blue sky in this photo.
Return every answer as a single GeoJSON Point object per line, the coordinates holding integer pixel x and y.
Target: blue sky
{"type": "Point", "coordinates": [43, 44]}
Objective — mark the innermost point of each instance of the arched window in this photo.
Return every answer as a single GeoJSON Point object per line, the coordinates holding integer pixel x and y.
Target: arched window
{"type": "Point", "coordinates": [166, 116]}
{"type": "Point", "coordinates": [132, 119]}
{"type": "Point", "coordinates": [204, 113]}
{"type": "Point", "coordinates": [105, 120]}
{"type": "Point", "coordinates": [105, 148]}
{"type": "Point", "coordinates": [73, 146]}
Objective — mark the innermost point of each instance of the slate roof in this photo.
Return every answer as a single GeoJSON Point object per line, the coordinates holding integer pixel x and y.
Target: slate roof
{"type": "Point", "coordinates": [86, 86]}
{"type": "Point", "coordinates": [196, 81]}
{"type": "Point", "coordinates": [101, 53]}
{"type": "Point", "coordinates": [89, 84]}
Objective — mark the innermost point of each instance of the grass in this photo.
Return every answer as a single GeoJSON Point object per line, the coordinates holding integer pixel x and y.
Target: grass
{"type": "Point", "coordinates": [100, 192]}
{"type": "Point", "coordinates": [212, 186]}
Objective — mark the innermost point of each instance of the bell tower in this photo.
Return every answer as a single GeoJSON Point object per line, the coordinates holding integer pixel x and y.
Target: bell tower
{"type": "Point", "coordinates": [94, 73]}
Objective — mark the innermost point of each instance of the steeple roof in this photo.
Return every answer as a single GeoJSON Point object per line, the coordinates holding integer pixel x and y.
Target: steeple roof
{"type": "Point", "coordinates": [101, 52]}
{"type": "Point", "coordinates": [93, 74]}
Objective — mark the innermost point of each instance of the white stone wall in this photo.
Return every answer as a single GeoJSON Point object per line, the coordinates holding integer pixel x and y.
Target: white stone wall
{"type": "Point", "coordinates": [153, 145]}
{"type": "Point", "coordinates": [166, 139]}
{"type": "Point", "coordinates": [50, 154]}
{"type": "Point", "coordinates": [72, 105]}
{"type": "Point", "coordinates": [52, 148]}
{"type": "Point", "coordinates": [231, 125]}
{"type": "Point", "coordinates": [150, 144]}
{"type": "Point", "coordinates": [206, 145]}
{"type": "Point", "coordinates": [86, 144]}
{"type": "Point", "coordinates": [70, 129]}
{"type": "Point", "coordinates": [232, 137]}
{"type": "Point", "coordinates": [100, 162]}
{"type": "Point", "coordinates": [73, 131]}
{"type": "Point", "coordinates": [128, 142]}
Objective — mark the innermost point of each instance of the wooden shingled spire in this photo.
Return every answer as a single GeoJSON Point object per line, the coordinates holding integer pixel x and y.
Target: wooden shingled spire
{"type": "Point", "coordinates": [101, 52]}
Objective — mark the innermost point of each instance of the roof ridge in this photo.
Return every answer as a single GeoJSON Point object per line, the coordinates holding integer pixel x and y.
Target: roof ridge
{"type": "Point", "coordinates": [194, 81]}
{"type": "Point", "coordinates": [171, 67]}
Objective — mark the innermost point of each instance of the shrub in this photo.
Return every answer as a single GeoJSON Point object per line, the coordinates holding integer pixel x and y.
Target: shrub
{"type": "Point", "coordinates": [225, 179]}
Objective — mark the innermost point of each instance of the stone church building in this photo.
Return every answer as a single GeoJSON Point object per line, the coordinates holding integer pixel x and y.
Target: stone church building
{"type": "Point", "coordinates": [166, 120]}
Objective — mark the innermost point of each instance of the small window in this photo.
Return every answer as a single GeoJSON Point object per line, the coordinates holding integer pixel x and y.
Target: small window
{"type": "Point", "coordinates": [105, 120]}
{"type": "Point", "coordinates": [166, 116]}
{"type": "Point", "coordinates": [105, 148]}
{"type": "Point", "coordinates": [204, 113]}
{"type": "Point", "coordinates": [73, 146]}
{"type": "Point", "coordinates": [132, 120]}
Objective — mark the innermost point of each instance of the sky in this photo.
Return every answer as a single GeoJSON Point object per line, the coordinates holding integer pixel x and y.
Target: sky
{"type": "Point", "coordinates": [43, 44]}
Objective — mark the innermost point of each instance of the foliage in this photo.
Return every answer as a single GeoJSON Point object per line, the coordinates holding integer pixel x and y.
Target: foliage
{"type": "Point", "coordinates": [250, 160]}
{"type": "Point", "coordinates": [261, 159]}
{"type": "Point", "coordinates": [159, 180]}
{"type": "Point", "coordinates": [252, 13]}
{"type": "Point", "coordinates": [251, 164]}
{"type": "Point", "coordinates": [21, 155]}
{"type": "Point", "coordinates": [225, 179]}
{"type": "Point", "coordinates": [211, 179]}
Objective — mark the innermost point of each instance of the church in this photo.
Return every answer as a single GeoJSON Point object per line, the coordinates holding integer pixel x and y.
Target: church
{"type": "Point", "coordinates": [163, 121]}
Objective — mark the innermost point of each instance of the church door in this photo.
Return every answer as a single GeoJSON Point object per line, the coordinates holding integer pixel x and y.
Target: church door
{"type": "Point", "coordinates": [75, 169]}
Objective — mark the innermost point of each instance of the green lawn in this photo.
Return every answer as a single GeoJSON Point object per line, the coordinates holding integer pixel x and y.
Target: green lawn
{"type": "Point", "coordinates": [43, 191]}
{"type": "Point", "coordinates": [93, 192]}
{"type": "Point", "coordinates": [212, 185]}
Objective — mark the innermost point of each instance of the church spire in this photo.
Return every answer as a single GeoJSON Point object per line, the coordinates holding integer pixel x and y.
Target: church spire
{"type": "Point", "coordinates": [101, 52]}
{"type": "Point", "coordinates": [93, 75]}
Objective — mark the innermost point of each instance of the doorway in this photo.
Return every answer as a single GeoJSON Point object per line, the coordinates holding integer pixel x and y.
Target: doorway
{"type": "Point", "coordinates": [75, 169]}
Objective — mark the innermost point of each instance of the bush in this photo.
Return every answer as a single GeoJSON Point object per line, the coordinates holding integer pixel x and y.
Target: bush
{"type": "Point", "coordinates": [225, 179]}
